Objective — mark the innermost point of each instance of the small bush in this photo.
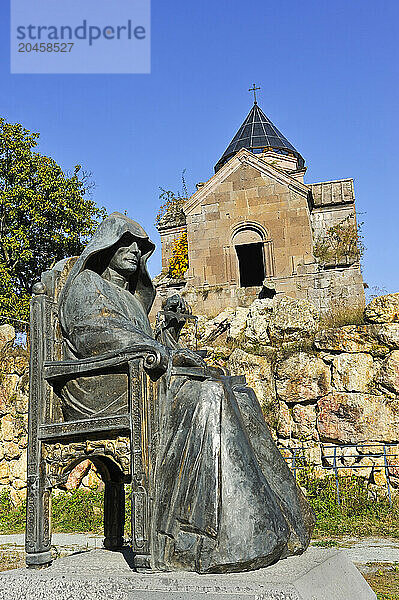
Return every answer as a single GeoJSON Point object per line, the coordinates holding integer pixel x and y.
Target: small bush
{"type": "Point", "coordinates": [358, 515]}
{"type": "Point", "coordinates": [341, 243]}
{"type": "Point", "coordinates": [178, 263]}
{"type": "Point", "coordinates": [78, 511]}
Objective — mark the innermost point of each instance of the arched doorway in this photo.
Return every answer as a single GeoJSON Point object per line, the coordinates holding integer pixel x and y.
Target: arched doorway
{"type": "Point", "coordinates": [254, 265]}
{"type": "Point", "coordinates": [113, 478]}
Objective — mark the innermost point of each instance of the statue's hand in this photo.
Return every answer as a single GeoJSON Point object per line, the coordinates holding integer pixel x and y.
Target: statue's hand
{"type": "Point", "coordinates": [176, 304]}
{"type": "Point", "coordinates": [186, 358]}
{"type": "Point", "coordinates": [175, 312]}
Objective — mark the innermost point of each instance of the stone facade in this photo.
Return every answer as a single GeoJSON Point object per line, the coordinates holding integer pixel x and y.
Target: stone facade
{"type": "Point", "coordinates": [13, 415]}
{"type": "Point", "coordinates": [259, 203]}
{"type": "Point", "coordinates": [238, 210]}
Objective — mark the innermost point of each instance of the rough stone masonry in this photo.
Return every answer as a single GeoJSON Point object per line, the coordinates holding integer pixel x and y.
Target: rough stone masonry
{"type": "Point", "coordinates": [318, 387]}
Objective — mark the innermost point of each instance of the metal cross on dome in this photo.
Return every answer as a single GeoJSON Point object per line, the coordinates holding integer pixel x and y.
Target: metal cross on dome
{"type": "Point", "coordinates": [253, 89]}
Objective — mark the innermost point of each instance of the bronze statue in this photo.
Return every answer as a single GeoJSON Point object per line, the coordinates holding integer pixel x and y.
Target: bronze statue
{"type": "Point", "coordinates": [224, 498]}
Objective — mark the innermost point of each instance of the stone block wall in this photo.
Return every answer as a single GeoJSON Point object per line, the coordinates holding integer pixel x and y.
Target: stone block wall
{"type": "Point", "coordinates": [320, 389]}
{"type": "Point", "coordinates": [325, 289]}
{"type": "Point", "coordinates": [332, 203]}
{"type": "Point", "coordinates": [14, 381]}
{"type": "Point", "coordinates": [14, 391]}
{"type": "Point", "coordinates": [331, 288]}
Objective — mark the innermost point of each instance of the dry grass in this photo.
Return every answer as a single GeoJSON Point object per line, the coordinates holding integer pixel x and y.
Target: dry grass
{"type": "Point", "coordinates": [11, 559]}
{"type": "Point", "coordinates": [341, 316]}
{"type": "Point", "coordinates": [383, 578]}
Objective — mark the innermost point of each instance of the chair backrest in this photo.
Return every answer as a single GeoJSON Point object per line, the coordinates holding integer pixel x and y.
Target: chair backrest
{"type": "Point", "coordinates": [54, 280]}
{"type": "Point", "coordinates": [46, 340]}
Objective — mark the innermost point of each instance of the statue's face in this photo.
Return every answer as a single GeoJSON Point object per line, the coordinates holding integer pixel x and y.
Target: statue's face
{"type": "Point", "coordinates": [126, 259]}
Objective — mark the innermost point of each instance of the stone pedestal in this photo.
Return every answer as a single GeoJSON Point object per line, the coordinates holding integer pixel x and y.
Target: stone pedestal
{"type": "Point", "coordinates": [318, 574]}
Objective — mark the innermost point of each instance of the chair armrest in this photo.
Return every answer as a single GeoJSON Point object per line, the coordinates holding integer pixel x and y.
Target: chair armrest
{"type": "Point", "coordinates": [153, 361]}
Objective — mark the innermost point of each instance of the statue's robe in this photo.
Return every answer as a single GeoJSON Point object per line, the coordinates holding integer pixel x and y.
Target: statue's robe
{"type": "Point", "coordinates": [224, 500]}
{"type": "Point", "coordinates": [100, 317]}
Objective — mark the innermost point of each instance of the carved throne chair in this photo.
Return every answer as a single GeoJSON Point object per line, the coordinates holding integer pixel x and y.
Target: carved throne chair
{"type": "Point", "coordinates": [122, 447]}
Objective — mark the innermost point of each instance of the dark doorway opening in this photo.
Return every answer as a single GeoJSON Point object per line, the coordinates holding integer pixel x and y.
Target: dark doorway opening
{"type": "Point", "coordinates": [251, 264]}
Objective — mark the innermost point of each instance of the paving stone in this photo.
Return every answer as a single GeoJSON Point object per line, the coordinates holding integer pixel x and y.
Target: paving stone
{"type": "Point", "coordinates": [318, 574]}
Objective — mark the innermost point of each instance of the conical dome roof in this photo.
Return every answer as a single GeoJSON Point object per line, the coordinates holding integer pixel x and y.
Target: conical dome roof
{"type": "Point", "coordinates": [256, 133]}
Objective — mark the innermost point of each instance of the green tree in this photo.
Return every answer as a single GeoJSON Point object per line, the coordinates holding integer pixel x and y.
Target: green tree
{"type": "Point", "coordinates": [45, 215]}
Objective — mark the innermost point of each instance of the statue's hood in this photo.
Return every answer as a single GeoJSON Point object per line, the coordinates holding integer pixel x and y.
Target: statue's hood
{"type": "Point", "coordinates": [108, 233]}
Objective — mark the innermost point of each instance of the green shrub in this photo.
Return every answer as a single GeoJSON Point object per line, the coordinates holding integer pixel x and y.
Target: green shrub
{"type": "Point", "coordinates": [77, 511]}
{"type": "Point", "coordinates": [358, 513]}
{"type": "Point", "coordinates": [12, 519]}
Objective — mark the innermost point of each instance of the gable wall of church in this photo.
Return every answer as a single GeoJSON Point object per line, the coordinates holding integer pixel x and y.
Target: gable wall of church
{"type": "Point", "coordinates": [247, 196]}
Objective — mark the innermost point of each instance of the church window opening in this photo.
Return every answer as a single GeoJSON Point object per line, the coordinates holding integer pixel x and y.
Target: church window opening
{"type": "Point", "coordinates": [251, 264]}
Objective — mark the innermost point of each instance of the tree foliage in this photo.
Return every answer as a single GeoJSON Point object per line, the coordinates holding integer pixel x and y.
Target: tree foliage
{"type": "Point", "coordinates": [171, 214]}
{"type": "Point", "coordinates": [172, 207]}
{"type": "Point", "coordinates": [45, 215]}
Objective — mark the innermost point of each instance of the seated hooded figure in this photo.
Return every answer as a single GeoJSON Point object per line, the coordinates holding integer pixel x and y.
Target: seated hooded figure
{"type": "Point", "coordinates": [225, 500]}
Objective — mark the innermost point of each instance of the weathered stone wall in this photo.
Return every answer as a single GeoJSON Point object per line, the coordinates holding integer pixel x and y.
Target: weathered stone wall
{"type": "Point", "coordinates": [333, 202]}
{"type": "Point", "coordinates": [14, 390]}
{"type": "Point", "coordinates": [14, 380]}
{"type": "Point", "coordinates": [325, 289]}
{"type": "Point", "coordinates": [318, 387]}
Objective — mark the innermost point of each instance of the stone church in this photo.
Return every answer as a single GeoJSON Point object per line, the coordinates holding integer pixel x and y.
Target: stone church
{"type": "Point", "coordinates": [255, 229]}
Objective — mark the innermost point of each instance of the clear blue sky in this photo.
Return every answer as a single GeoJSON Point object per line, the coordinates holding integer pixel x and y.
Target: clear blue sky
{"type": "Point", "coordinates": [329, 77]}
